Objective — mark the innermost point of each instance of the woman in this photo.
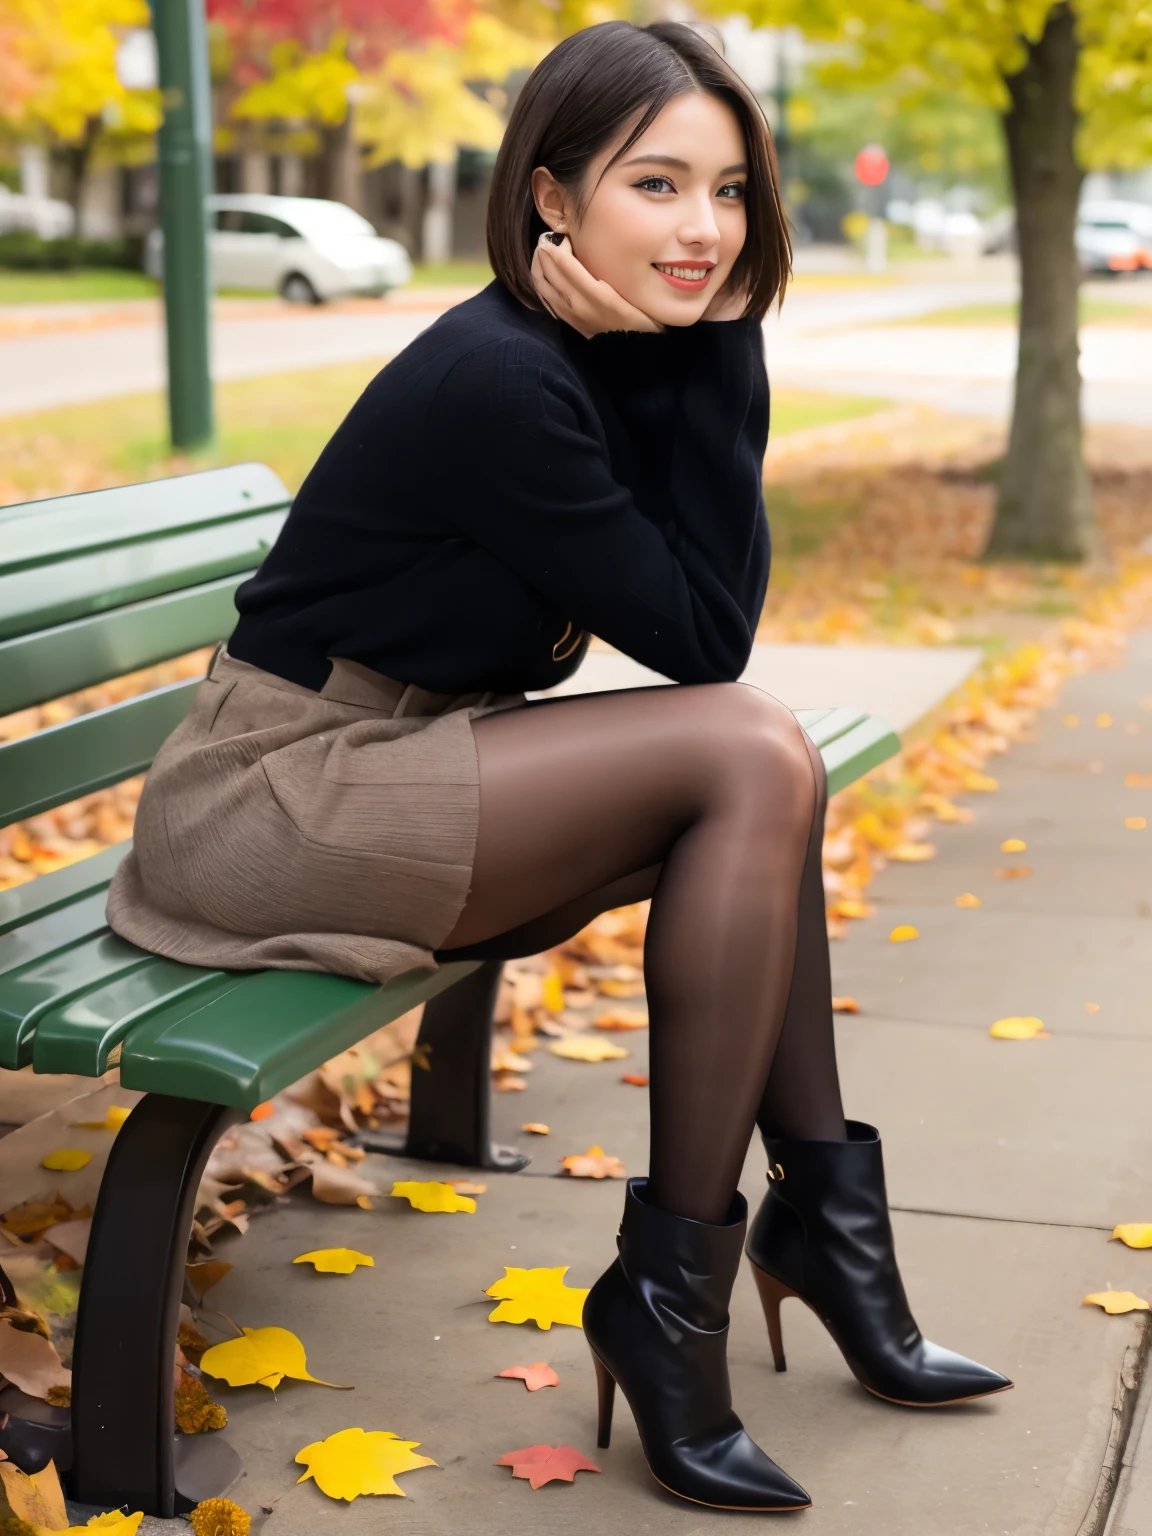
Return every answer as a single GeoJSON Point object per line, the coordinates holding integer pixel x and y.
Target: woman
{"type": "Point", "coordinates": [362, 788]}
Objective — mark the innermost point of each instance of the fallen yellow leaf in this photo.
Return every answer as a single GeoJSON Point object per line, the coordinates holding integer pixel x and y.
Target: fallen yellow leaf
{"type": "Point", "coordinates": [1019, 1028]}
{"type": "Point", "coordinates": [432, 1196]}
{"type": "Point", "coordinates": [903, 933]}
{"type": "Point", "coordinates": [112, 1121]}
{"type": "Point", "coordinates": [357, 1461]}
{"type": "Point", "coordinates": [1013, 845]}
{"type": "Point", "coordinates": [968, 900]}
{"type": "Point", "coordinates": [1103, 721]}
{"type": "Point", "coordinates": [849, 906]}
{"type": "Point", "coordinates": [262, 1357]}
{"type": "Point", "coordinates": [552, 994]}
{"type": "Point", "coordinates": [114, 1520]}
{"type": "Point", "coordinates": [1115, 1302]}
{"type": "Point", "coordinates": [979, 783]}
{"type": "Point", "coordinates": [67, 1160]}
{"type": "Point", "coordinates": [587, 1048]}
{"type": "Point", "coordinates": [537, 1128]}
{"type": "Point", "coordinates": [536, 1295]}
{"type": "Point", "coordinates": [1135, 823]}
{"type": "Point", "coordinates": [1136, 1234]}
{"type": "Point", "coordinates": [911, 853]}
{"type": "Point", "coordinates": [1138, 780]}
{"type": "Point", "coordinates": [1071, 720]}
{"type": "Point", "coordinates": [335, 1261]}
{"type": "Point", "coordinates": [1091, 1007]}
{"type": "Point", "coordinates": [845, 1005]}
{"type": "Point", "coordinates": [36, 1498]}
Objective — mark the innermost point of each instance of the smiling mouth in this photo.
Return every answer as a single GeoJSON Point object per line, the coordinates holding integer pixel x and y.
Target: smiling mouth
{"type": "Point", "coordinates": [690, 277]}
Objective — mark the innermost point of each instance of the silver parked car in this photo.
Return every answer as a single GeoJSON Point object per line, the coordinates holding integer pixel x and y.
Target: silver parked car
{"type": "Point", "coordinates": [306, 248]}
{"type": "Point", "coordinates": [1114, 236]}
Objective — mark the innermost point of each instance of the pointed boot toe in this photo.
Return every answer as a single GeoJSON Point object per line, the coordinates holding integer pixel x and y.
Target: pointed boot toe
{"type": "Point", "coordinates": [657, 1324]}
{"type": "Point", "coordinates": [823, 1235]}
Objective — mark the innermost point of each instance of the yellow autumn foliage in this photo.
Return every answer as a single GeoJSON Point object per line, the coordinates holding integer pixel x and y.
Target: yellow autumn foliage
{"type": "Point", "coordinates": [536, 1295]}
{"type": "Point", "coordinates": [358, 1461]}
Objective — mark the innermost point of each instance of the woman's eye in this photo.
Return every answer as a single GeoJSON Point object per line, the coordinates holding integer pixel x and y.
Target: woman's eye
{"type": "Point", "coordinates": [655, 184]}
{"type": "Point", "coordinates": [733, 189]}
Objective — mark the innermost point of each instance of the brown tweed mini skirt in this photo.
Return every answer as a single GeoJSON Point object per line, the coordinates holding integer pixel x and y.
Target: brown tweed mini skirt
{"type": "Point", "coordinates": [282, 828]}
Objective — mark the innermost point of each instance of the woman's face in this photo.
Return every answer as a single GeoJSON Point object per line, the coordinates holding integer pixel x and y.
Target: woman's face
{"type": "Point", "coordinates": [668, 220]}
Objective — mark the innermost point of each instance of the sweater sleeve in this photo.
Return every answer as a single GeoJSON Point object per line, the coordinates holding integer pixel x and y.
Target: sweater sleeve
{"type": "Point", "coordinates": [538, 493]}
{"type": "Point", "coordinates": [709, 385]}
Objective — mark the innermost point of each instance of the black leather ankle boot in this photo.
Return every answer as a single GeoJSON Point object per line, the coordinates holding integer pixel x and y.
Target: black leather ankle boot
{"type": "Point", "coordinates": [823, 1235]}
{"type": "Point", "coordinates": [657, 1323]}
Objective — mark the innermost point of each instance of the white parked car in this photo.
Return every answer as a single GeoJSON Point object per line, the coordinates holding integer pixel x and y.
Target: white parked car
{"type": "Point", "coordinates": [1114, 236]}
{"type": "Point", "coordinates": [306, 248]}
{"type": "Point", "coordinates": [47, 217]}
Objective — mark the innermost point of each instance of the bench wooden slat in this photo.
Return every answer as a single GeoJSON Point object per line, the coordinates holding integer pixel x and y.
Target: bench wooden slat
{"type": "Point", "coordinates": [73, 588]}
{"type": "Point", "coordinates": [89, 752]}
{"type": "Point", "coordinates": [850, 756]}
{"type": "Point", "coordinates": [26, 994]}
{"type": "Point", "coordinates": [266, 1031]}
{"type": "Point", "coordinates": [62, 527]}
{"type": "Point", "coordinates": [82, 1034]}
{"type": "Point", "coordinates": [37, 898]}
{"type": "Point", "coordinates": [54, 662]}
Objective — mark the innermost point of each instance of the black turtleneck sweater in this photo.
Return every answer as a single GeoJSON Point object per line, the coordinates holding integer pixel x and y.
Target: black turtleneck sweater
{"type": "Point", "coordinates": [504, 488]}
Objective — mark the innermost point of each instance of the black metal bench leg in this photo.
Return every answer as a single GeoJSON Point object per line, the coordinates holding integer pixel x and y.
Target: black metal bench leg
{"type": "Point", "coordinates": [124, 1443]}
{"type": "Point", "coordinates": [451, 1108]}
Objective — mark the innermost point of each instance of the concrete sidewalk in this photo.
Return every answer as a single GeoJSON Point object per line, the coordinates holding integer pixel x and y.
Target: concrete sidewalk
{"type": "Point", "coordinates": [1008, 1165]}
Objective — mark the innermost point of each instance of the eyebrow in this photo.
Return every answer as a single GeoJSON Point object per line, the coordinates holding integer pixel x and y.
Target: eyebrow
{"type": "Point", "coordinates": [680, 165]}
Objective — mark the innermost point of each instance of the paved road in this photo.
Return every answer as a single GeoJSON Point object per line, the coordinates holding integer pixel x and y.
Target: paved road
{"type": "Point", "coordinates": [823, 339]}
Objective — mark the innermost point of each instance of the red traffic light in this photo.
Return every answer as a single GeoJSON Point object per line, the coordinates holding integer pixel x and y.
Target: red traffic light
{"type": "Point", "coordinates": [871, 165]}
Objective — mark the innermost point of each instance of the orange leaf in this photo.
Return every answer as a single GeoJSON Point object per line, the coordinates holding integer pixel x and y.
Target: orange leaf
{"type": "Point", "coordinates": [968, 900]}
{"type": "Point", "coordinates": [851, 907]}
{"type": "Point", "coordinates": [1135, 823]}
{"type": "Point", "coordinates": [533, 1376]}
{"type": "Point", "coordinates": [262, 1111]}
{"type": "Point", "coordinates": [542, 1464]}
{"type": "Point", "coordinates": [593, 1164]}
{"type": "Point", "coordinates": [536, 1128]}
{"type": "Point", "coordinates": [1014, 872]}
{"type": "Point", "coordinates": [622, 1019]}
{"type": "Point", "coordinates": [845, 1005]}
{"type": "Point", "coordinates": [1138, 780]}
{"type": "Point", "coordinates": [637, 1079]}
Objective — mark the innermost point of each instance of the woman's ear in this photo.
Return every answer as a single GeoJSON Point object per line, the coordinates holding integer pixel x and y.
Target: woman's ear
{"type": "Point", "coordinates": [552, 202]}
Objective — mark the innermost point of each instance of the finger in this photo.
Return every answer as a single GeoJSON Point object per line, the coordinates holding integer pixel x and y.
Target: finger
{"type": "Point", "coordinates": [544, 289]}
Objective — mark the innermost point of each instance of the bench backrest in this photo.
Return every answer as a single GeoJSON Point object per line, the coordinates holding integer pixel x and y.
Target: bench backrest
{"type": "Point", "coordinates": [97, 585]}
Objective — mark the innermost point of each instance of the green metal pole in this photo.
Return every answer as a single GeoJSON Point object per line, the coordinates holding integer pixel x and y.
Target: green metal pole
{"type": "Point", "coordinates": [185, 155]}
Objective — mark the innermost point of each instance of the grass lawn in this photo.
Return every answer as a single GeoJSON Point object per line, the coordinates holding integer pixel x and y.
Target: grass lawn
{"type": "Point", "coordinates": [284, 421]}
{"type": "Point", "coordinates": [1092, 312]}
{"type": "Point", "coordinates": [82, 284]}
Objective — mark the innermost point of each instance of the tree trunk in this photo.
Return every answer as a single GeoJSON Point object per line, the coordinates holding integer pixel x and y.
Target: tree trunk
{"type": "Point", "coordinates": [1044, 510]}
{"type": "Point", "coordinates": [340, 160]}
{"type": "Point", "coordinates": [76, 160]}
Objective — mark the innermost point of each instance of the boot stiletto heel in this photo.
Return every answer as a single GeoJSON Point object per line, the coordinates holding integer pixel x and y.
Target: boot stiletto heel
{"type": "Point", "coordinates": [605, 1401]}
{"type": "Point", "coordinates": [772, 1293]}
{"type": "Point", "coordinates": [823, 1235]}
{"type": "Point", "coordinates": [657, 1324]}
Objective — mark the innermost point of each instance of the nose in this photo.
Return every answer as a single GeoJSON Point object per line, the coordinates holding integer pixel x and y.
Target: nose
{"type": "Point", "coordinates": [698, 224]}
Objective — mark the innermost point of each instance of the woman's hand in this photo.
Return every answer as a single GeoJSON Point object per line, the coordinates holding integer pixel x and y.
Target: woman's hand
{"type": "Point", "coordinates": [570, 292]}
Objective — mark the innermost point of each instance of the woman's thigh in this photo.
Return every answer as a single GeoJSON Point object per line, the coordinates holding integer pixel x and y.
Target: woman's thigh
{"type": "Point", "coordinates": [577, 793]}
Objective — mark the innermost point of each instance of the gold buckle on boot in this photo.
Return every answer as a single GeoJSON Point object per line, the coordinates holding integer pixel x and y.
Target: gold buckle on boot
{"type": "Point", "coordinates": [778, 1176]}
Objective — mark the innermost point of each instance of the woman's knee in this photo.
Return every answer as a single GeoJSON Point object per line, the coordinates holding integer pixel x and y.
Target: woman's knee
{"type": "Point", "coordinates": [760, 740]}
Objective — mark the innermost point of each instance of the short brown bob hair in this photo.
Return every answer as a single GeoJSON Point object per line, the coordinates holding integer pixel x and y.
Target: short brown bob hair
{"type": "Point", "coordinates": [581, 97]}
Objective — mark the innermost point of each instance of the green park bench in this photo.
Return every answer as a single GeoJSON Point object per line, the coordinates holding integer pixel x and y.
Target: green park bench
{"type": "Point", "coordinates": [92, 587]}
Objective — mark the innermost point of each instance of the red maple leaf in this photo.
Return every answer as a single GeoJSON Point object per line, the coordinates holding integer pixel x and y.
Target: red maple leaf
{"type": "Point", "coordinates": [533, 1376]}
{"type": "Point", "coordinates": [542, 1464]}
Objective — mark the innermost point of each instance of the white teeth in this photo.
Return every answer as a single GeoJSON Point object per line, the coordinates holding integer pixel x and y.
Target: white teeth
{"type": "Point", "coordinates": [690, 274]}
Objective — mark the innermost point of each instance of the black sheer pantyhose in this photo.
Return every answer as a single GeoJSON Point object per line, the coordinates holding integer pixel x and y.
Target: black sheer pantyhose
{"type": "Point", "coordinates": [709, 799]}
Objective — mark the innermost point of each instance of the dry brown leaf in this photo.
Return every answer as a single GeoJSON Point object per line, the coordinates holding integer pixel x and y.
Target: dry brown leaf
{"type": "Point", "coordinates": [29, 1361]}
{"type": "Point", "coordinates": [336, 1186]}
{"type": "Point", "coordinates": [35, 1498]}
{"type": "Point", "coordinates": [587, 1048]}
{"type": "Point", "coordinates": [622, 1019]}
{"type": "Point", "coordinates": [71, 1238]}
{"type": "Point", "coordinates": [203, 1277]}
